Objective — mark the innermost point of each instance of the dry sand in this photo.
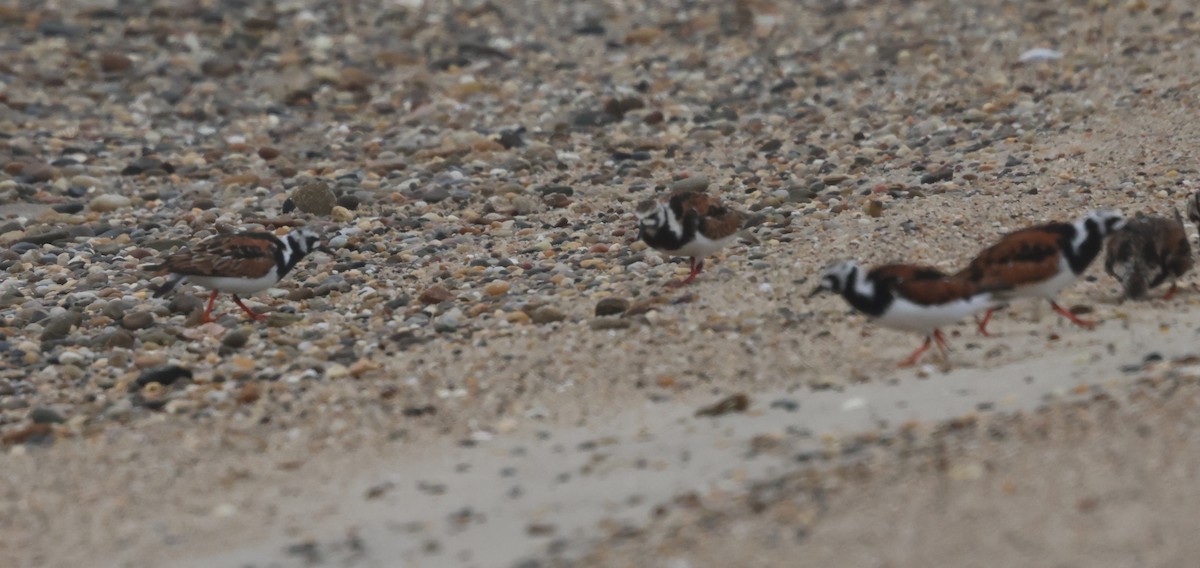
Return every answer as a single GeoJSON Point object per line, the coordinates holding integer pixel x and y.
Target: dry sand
{"type": "Point", "coordinates": [562, 444]}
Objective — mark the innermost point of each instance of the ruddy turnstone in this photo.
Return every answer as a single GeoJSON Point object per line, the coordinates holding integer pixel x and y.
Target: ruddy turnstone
{"type": "Point", "coordinates": [1148, 251]}
{"type": "Point", "coordinates": [908, 298]}
{"type": "Point", "coordinates": [241, 263]}
{"type": "Point", "coordinates": [689, 223]}
{"type": "Point", "coordinates": [1040, 261]}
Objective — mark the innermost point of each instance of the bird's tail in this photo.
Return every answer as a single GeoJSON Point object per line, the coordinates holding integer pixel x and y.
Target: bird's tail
{"type": "Point", "coordinates": [170, 284]}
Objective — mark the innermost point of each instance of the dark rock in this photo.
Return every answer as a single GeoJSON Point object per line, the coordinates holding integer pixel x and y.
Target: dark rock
{"type": "Point", "coordinates": [43, 415]}
{"type": "Point", "coordinates": [47, 237]}
{"type": "Point", "coordinates": [435, 295]}
{"type": "Point", "coordinates": [552, 189]}
{"type": "Point", "coordinates": [943, 174]}
{"type": "Point", "coordinates": [137, 320]}
{"type": "Point", "coordinates": [68, 208]}
{"type": "Point", "coordinates": [116, 309]}
{"type": "Point", "coordinates": [771, 146]}
{"type": "Point", "coordinates": [611, 307]}
{"type": "Point", "coordinates": [349, 202]}
{"type": "Point", "coordinates": [315, 198]}
{"type": "Point", "coordinates": [165, 375]}
{"type": "Point", "coordinates": [786, 405]}
{"type": "Point", "coordinates": [733, 403]}
{"type": "Point", "coordinates": [435, 195]}
{"type": "Point", "coordinates": [236, 339]}
{"type": "Point", "coordinates": [117, 339]}
{"type": "Point", "coordinates": [60, 327]}
{"type": "Point", "coordinates": [184, 304]}
{"type": "Point", "coordinates": [512, 138]}
{"type": "Point", "coordinates": [147, 164]}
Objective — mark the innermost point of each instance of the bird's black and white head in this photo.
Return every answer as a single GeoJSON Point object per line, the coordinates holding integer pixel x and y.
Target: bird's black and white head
{"type": "Point", "coordinates": [303, 241]}
{"type": "Point", "coordinates": [652, 217]}
{"type": "Point", "coordinates": [837, 277]}
{"type": "Point", "coordinates": [1101, 222]}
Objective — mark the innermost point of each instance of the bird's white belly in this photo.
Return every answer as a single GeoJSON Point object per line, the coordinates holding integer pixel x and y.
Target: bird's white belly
{"type": "Point", "coordinates": [908, 316]}
{"type": "Point", "coordinates": [703, 246]}
{"type": "Point", "coordinates": [1047, 289]}
{"type": "Point", "coordinates": [242, 286]}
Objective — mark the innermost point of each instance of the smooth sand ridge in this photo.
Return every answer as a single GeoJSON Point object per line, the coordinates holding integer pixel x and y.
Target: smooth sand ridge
{"type": "Point", "coordinates": [564, 485]}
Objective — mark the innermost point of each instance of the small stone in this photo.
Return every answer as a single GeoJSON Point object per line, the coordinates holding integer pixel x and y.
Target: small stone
{"type": "Point", "coordinates": [435, 295]}
{"type": "Point", "coordinates": [786, 405]}
{"type": "Point", "coordinates": [693, 183]}
{"type": "Point", "coordinates": [59, 327]}
{"type": "Point", "coordinates": [236, 339]}
{"type": "Point", "coordinates": [137, 320]}
{"type": "Point", "coordinates": [436, 195]}
{"type": "Point", "coordinates": [496, 288]}
{"type": "Point", "coordinates": [733, 403]}
{"type": "Point", "coordinates": [109, 202]}
{"type": "Point", "coordinates": [281, 319]}
{"type": "Point", "coordinates": [165, 375]}
{"type": "Point", "coordinates": [874, 208]}
{"type": "Point", "coordinates": [184, 304]}
{"type": "Point", "coordinates": [611, 307]}
{"type": "Point", "coordinates": [119, 339]}
{"type": "Point", "coordinates": [268, 153]}
{"type": "Point", "coordinates": [38, 172]}
{"type": "Point", "coordinates": [604, 323]}
{"type": "Point", "coordinates": [220, 66]}
{"type": "Point", "coordinates": [943, 174]}
{"type": "Point", "coordinates": [315, 198]}
{"type": "Point", "coordinates": [517, 318]}
{"type": "Point", "coordinates": [148, 165]}
{"type": "Point", "coordinates": [341, 214]}
{"type": "Point", "coordinates": [349, 202]}
{"type": "Point", "coordinates": [43, 415]}
{"type": "Point", "coordinates": [249, 393]}
{"type": "Point", "coordinates": [446, 323]}
{"type": "Point", "coordinates": [547, 314]}
{"type": "Point", "coordinates": [354, 79]}
{"type": "Point", "coordinates": [112, 62]}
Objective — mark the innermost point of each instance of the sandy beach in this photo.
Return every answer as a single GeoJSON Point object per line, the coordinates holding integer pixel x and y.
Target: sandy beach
{"type": "Point", "coordinates": [440, 390]}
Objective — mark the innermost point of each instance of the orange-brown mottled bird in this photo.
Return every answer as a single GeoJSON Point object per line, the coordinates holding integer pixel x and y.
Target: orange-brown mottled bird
{"type": "Point", "coordinates": [1040, 261]}
{"type": "Point", "coordinates": [688, 223]}
{"type": "Point", "coordinates": [908, 297]}
{"type": "Point", "coordinates": [242, 263]}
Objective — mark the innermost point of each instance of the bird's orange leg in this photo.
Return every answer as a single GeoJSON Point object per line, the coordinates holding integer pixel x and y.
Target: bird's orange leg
{"type": "Point", "coordinates": [212, 298]}
{"type": "Point", "coordinates": [983, 323]}
{"type": "Point", "coordinates": [253, 315]}
{"type": "Point", "coordinates": [912, 359]}
{"type": "Point", "coordinates": [1089, 324]}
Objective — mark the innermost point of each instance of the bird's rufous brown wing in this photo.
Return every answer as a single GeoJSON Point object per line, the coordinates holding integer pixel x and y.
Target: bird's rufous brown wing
{"type": "Point", "coordinates": [1023, 257]}
{"type": "Point", "coordinates": [247, 255]}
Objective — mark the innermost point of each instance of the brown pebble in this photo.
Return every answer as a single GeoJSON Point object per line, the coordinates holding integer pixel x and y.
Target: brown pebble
{"type": "Point", "coordinates": [111, 62]}
{"type": "Point", "coordinates": [734, 403]}
{"type": "Point", "coordinates": [249, 393]}
{"type": "Point", "coordinates": [435, 295]}
{"type": "Point", "coordinates": [268, 153]}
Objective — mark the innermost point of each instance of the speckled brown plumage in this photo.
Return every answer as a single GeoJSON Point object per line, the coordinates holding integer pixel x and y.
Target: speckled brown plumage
{"type": "Point", "coordinates": [1147, 252]}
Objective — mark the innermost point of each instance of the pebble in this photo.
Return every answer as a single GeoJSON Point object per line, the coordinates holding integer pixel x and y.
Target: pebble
{"type": "Point", "coordinates": [315, 198]}
{"type": "Point", "coordinates": [611, 307]}
{"type": "Point", "coordinates": [137, 320]}
{"type": "Point", "coordinates": [546, 314]}
{"type": "Point", "coordinates": [435, 295]}
{"type": "Point", "coordinates": [692, 183]}
{"type": "Point", "coordinates": [59, 327]}
{"type": "Point", "coordinates": [43, 415]}
{"type": "Point", "coordinates": [236, 339]}
{"type": "Point", "coordinates": [165, 375]}
{"type": "Point", "coordinates": [496, 288]}
{"type": "Point", "coordinates": [109, 202]}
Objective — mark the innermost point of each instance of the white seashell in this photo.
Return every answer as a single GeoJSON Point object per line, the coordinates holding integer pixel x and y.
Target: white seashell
{"type": "Point", "coordinates": [1040, 54]}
